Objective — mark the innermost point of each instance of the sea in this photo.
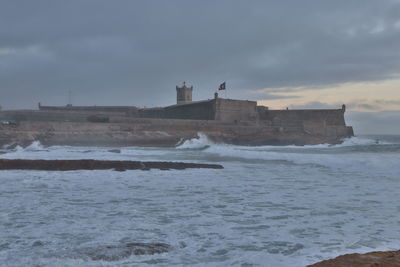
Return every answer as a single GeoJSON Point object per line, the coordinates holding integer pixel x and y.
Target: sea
{"type": "Point", "coordinates": [269, 206]}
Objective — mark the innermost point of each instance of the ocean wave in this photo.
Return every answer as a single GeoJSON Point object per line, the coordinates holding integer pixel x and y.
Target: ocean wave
{"type": "Point", "coordinates": [200, 143]}
{"type": "Point", "coordinates": [203, 142]}
{"type": "Point", "coordinates": [35, 145]}
{"type": "Point", "coordinates": [353, 154]}
{"type": "Point", "coordinates": [363, 141]}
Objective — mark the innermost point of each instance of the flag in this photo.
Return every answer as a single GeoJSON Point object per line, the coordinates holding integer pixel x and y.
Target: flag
{"type": "Point", "coordinates": [222, 86]}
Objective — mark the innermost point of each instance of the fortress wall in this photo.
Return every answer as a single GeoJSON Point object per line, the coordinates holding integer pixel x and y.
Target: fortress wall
{"type": "Point", "coordinates": [128, 110]}
{"type": "Point", "coordinates": [317, 117]}
{"type": "Point", "coordinates": [150, 113]}
{"type": "Point", "coordinates": [132, 125]}
{"type": "Point", "coordinates": [47, 115]}
{"type": "Point", "coordinates": [33, 115]}
{"type": "Point", "coordinates": [236, 111]}
{"type": "Point", "coordinates": [202, 110]}
{"type": "Point", "coordinates": [162, 132]}
{"type": "Point", "coordinates": [167, 122]}
{"type": "Point", "coordinates": [324, 122]}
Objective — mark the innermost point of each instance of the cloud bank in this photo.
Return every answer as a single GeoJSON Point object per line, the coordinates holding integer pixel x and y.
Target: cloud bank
{"type": "Point", "coordinates": [135, 52]}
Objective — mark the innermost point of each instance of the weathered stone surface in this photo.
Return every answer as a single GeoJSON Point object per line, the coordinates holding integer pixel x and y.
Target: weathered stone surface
{"type": "Point", "coordinates": [89, 164]}
{"type": "Point", "coordinates": [164, 132]}
{"type": "Point", "coordinates": [118, 252]}
{"type": "Point", "coordinates": [379, 258]}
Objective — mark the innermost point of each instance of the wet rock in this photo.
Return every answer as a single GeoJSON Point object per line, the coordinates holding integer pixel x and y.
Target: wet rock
{"type": "Point", "coordinates": [379, 258]}
{"type": "Point", "coordinates": [118, 252]}
{"type": "Point", "coordinates": [115, 150]}
{"type": "Point", "coordinates": [90, 164]}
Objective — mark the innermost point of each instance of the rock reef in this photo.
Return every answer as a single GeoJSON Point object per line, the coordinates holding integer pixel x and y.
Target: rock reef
{"type": "Point", "coordinates": [90, 164]}
{"type": "Point", "coordinates": [119, 252]}
{"type": "Point", "coordinates": [378, 258]}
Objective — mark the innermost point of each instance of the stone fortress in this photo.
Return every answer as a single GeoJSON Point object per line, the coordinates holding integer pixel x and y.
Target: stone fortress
{"type": "Point", "coordinates": [222, 120]}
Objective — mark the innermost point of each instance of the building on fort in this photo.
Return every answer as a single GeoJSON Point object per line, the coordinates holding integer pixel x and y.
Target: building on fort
{"type": "Point", "coordinates": [239, 112]}
{"type": "Point", "coordinates": [184, 94]}
{"type": "Point", "coordinates": [219, 109]}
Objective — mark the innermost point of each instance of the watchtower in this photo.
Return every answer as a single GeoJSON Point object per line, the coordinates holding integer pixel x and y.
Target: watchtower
{"type": "Point", "coordinates": [184, 94]}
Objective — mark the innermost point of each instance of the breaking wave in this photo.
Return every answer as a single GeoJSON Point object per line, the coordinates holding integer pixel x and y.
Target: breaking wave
{"type": "Point", "coordinates": [200, 143]}
{"type": "Point", "coordinates": [203, 142]}
{"type": "Point", "coordinates": [362, 141]}
{"type": "Point", "coordinates": [35, 145]}
{"type": "Point", "coordinates": [352, 155]}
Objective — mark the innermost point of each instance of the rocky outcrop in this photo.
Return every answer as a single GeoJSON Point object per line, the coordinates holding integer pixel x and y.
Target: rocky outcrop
{"type": "Point", "coordinates": [379, 258]}
{"type": "Point", "coordinates": [90, 164]}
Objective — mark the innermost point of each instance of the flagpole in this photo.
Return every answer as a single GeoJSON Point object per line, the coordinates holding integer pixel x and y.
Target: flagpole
{"type": "Point", "coordinates": [222, 86]}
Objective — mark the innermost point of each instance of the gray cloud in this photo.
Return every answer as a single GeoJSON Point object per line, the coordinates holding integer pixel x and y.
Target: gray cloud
{"type": "Point", "coordinates": [135, 52]}
{"type": "Point", "coordinates": [367, 106]}
{"type": "Point", "coordinates": [387, 102]}
{"type": "Point", "coordinates": [375, 105]}
{"type": "Point", "coordinates": [316, 105]}
{"type": "Point", "coordinates": [263, 94]}
{"type": "Point", "coordinates": [384, 122]}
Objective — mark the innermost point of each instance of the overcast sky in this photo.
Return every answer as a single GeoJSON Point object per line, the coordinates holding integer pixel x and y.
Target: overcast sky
{"type": "Point", "coordinates": [282, 53]}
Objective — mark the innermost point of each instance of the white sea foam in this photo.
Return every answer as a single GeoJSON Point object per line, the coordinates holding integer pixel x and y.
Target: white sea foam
{"type": "Point", "coordinates": [281, 206]}
{"type": "Point", "coordinates": [35, 145]}
{"type": "Point", "coordinates": [359, 141]}
{"type": "Point", "coordinates": [201, 142]}
{"type": "Point", "coordinates": [350, 155]}
{"type": "Point", "coordinates": [327, 155]}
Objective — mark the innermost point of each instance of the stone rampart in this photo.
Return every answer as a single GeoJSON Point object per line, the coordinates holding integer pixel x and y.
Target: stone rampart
{"type": "Point", "coordinates": [128, 110]}
{"type": "Point", "coordinates": [299, 117]}
{"type": "Point", "coordinates": [161, 132]}
{"type": "Point", "coordinates": [318, 122]}
{"type": "Point", "coordinates": [236, 111]}
{"type": "Point", "coordinates": [201, 110]}
{"type": "Point", "coordinates": [53, 115]}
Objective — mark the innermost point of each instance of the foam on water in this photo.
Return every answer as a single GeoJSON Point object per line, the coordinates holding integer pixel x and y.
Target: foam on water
{"type": "Point", "coordinates": [352, 155]}
{"type": "Point", "coordinates": [274, 206]}
{"type": "Point", "coordinates": [363, 141]}
{"type": "Point", "coordinates": [36, 145]}
{"type": "Point", "coordinates": [202, 142]}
